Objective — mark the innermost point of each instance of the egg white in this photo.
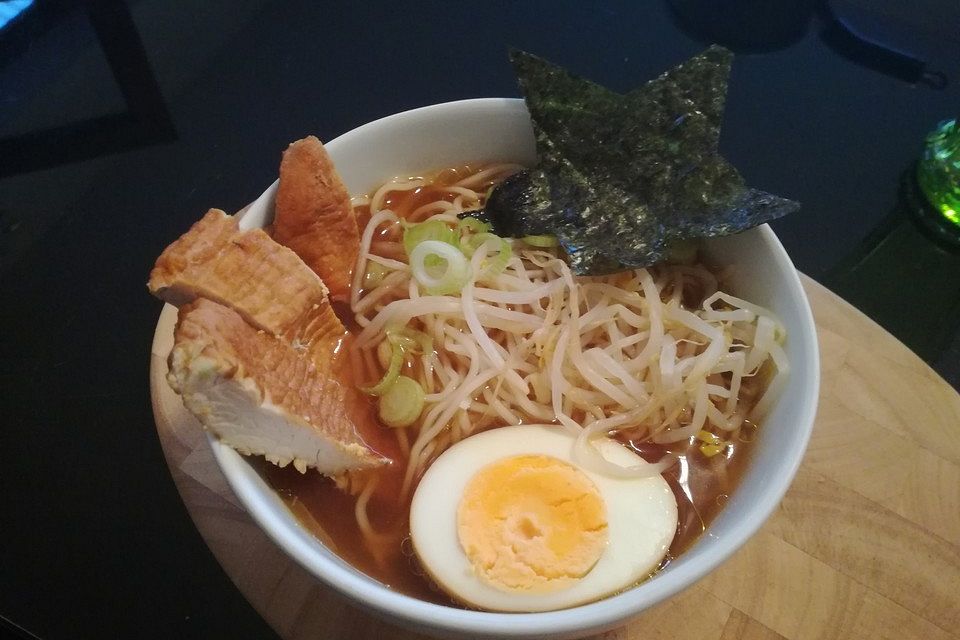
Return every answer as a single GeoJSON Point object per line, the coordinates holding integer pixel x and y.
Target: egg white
{"type": "Point", "coordinates": [641, 520]}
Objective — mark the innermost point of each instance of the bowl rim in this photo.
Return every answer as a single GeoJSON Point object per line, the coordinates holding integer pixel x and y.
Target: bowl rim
{"type": "Point", "coordinates": [602, 614]}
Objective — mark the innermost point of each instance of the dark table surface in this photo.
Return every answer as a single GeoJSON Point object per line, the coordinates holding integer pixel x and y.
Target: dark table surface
{"type": "Point", "coordinates": [120, 124]}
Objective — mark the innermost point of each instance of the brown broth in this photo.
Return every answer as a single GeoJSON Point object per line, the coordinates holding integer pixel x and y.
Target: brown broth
{"type": "Point", "coordinates": [701, 485]}
{"type": "Point", "coordinates": [328, 512]}
{"type": "Point", "coordinates": [403, 203]}
{"type": "Point", "coordinates": [705, 486]}
{"type": "Point", "coordinates": [359, 407]}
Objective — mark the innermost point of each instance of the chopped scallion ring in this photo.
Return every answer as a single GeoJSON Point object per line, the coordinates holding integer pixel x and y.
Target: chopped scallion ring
{"type": "Point", "coordinates": [543, 242]}
{"type": "Point", "coordinates": [439, 268]}
{"type": "Point", "coordinates": [401, 405]}
{"type": "Point", "coordinates": [393, 372]}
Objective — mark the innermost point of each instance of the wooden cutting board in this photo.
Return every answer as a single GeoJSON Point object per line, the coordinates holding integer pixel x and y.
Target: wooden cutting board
{"type": "Point", "coordinates": [866, 544]}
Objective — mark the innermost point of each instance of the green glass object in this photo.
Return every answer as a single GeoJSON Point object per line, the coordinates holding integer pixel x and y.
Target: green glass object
{"type": "Point", "coordinates": [938, 171]}
{"type": "Point", "coordinates": [906, 273]}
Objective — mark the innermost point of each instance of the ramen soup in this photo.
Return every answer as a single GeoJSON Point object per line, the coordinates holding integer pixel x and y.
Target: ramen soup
{"type": "Point", "coordinates": [560, 438]}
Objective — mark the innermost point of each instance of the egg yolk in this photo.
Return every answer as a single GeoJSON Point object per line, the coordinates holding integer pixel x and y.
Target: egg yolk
{"type": "Point", "coordinates": [531, 523]}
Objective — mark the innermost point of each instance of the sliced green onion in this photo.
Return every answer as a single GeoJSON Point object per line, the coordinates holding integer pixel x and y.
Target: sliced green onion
{"type": "Point", "coordinates": [384, 353]}
{"type": "Point", "coordinates": [712, 444]}
{"type": "Point", "coordinates": [544, 242]}
{"type": "Point", "coordinates": [399, 342]}
{"type": "Point", "coordinates": [436, 230]}
{"type": "Point", "coordinates": [707, 438]}
{"type": "Point", "coordinates": [472, 225]}
{"type": "Point", "coordinates": [494, 264]}
{"type": "Point", "coordinates": [497, 264]}
{"type": "Point", "coordinates": [374, 274]}
{"type": "Point", "coordinates": [411, 340]}
{"type": "Point", "coordinates": [390, 377]}
{"type": "Point", "coordinates": [401, 405]}
{"type": "Point", "coordinates": [439, 268]}
{"type": "Point", "coordinates": [711, 450]}
{"type": "Point", "coordinates": [469, 244]}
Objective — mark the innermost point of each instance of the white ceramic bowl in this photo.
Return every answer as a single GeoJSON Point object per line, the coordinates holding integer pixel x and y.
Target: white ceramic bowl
{"type": "Point", "coordinates": [499, 130]}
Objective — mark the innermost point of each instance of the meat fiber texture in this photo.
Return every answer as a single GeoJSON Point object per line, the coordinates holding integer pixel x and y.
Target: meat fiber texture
{"type": "Point", "coordinates": [256, 348]}
{"type": "Point", "coordinates": [313, 215]}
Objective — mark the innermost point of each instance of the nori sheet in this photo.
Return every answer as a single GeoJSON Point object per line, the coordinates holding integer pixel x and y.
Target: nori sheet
{"type": "Point", "coordinates": [620, 178]}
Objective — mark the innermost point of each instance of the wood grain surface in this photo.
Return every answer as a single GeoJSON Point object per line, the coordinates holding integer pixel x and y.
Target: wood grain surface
{"type": "Point", "coordinates": [866, 543]}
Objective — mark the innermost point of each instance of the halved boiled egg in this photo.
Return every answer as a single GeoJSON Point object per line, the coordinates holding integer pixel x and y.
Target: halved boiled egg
{"type": "Point", "coordinates": [505, 520]}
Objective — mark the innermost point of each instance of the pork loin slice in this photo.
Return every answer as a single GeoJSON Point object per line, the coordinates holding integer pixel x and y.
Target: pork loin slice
{"type": "Point", "coordinates": [274, 300]}
{"type": "Point", "coordinates": [266, 283]}
{"type": "Point", "coordinates": [313, 215]}
{"type": "Point", "coordinates": [262, 396]}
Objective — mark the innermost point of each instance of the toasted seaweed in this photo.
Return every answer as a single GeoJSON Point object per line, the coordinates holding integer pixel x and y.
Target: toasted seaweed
{"type": "Point", "coordinates": [622, 178]}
